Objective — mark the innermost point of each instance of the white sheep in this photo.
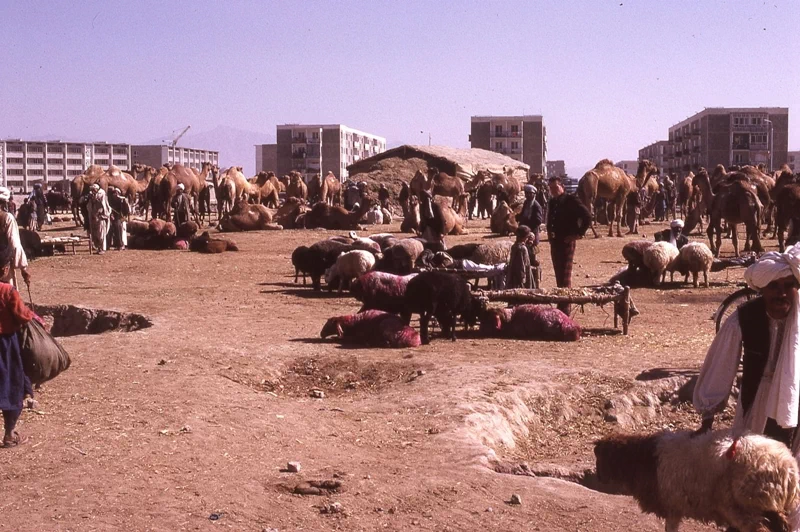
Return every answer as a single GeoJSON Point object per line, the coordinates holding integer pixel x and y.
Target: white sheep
{"type": "Point", "coordinates": [693, 258]}
{"type": "Point", "coordinates": [657, 259]}
{"type": "Point", "coordinates": [749, 483]}
{"type": "Point", "coordinates": [349, 266]}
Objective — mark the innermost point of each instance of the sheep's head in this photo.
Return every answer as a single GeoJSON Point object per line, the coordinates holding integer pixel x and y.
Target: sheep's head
{"type": "Point", "coordinates": [332, 327]}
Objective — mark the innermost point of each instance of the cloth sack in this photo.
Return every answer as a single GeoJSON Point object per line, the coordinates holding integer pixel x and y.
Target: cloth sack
{"type": "Point", "coordinates": [42, 356]}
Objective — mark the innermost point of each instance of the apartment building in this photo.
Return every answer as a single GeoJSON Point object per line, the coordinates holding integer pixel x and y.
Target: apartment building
{"type": "Point", "coordinates": [156, 155]}
{"type": "Point", "coordinates": [317, 149]}
{"type": "Point", "coordinates": [523, 138]}
{"type": "Point", "coordinates": [729, 136]}
{"type": "Point", "coordinates": [793, 160]}
{"type": "Point", "coordinates": [266, 158]}
{"type": "Point", "coordinates": [630, 167]}
{"type": "Point", "coordinates": [555, 169]}
{"type": "Point", "coordinates": [657, 153]}
{"type": "Point", "coordinates": [54, 162]}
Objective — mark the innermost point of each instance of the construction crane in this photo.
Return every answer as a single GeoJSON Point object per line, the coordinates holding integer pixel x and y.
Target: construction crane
{"type": "Point", "coordinates": [175, 140]}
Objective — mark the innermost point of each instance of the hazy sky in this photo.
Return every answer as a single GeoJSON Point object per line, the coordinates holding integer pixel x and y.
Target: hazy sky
{"type": "Point", "coordinates": [608, 77]}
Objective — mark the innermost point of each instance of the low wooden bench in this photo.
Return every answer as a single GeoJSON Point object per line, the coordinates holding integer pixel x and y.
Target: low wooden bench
{"type": "Point", "coordinates": [72, 243]}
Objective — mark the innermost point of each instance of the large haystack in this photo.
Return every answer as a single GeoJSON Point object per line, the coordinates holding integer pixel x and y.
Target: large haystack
{"type": "Point", "coordinates": [398, 165]}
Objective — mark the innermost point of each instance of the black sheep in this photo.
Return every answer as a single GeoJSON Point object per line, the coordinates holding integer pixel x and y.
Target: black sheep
{"type": "Point", "coordinates": [301, 262]}
{"type": "Point", "coordinates": [321, 256]}
{"type": "Point", "coordinates": [444, 296]}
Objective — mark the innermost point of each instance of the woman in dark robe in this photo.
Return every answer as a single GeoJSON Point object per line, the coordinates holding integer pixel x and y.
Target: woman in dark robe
{"type": "Point", "coordinates": [13, 315]}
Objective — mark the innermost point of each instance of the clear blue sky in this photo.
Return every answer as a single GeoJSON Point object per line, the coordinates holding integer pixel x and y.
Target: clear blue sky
{"type": "Point", "coordinates": [608, 77]}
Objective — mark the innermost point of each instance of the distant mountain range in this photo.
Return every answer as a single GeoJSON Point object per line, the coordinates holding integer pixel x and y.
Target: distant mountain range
{"type": "Point", "coordinates": [235, 146]}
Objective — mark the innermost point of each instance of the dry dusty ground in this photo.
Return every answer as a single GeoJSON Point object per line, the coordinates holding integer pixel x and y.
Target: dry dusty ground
{"type": "Point", "coordinates": [160, 428]}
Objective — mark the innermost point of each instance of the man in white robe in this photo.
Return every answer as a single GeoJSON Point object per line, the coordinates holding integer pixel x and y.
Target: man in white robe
{"type": "Point", "coordinates": [10, 243]}
{"type": "Point", "coordinates": [764, 334]}
{"type": "Point", "coordinates": [99, 217]}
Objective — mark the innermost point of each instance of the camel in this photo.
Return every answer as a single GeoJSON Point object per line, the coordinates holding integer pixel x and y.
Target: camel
{"type": "Point", "coordinates": [411, 219]}
{"type": "Point", "coordinates": [418, 184]}
{"type": "Point", "coordinates": [736, 201]}
{"type": "Point", "coordinates": [192, 181]}
{"type": "Point", "coordinates": [607, 181]}
{"type": "Point", "coordinates": [438, 219]}
{"type": "Point", "coordinates": [327, 216]}
{"type": "Point", "coordinates": [289, 212]}
{"type": "Point", "coordinates": [225, 192]}
{"type": "Point", "coordinates": [765, 185]}
{"type": "Point", "coordinates": [296, 188]}
{"type": "Point", "coordinates": [331, 190]}
{"type": "Point", "coordinates": [507, 186]}
{"type": "Point", "coordinates": [443, 184]}
{"type": "Point", "coordinates": [485, 199]}
{"type": "Point", "coordinates": [244, 188]}
{"type": "Point", "coordinates": [503, 221]}
{"type": "Point", "coordinates": [247, 217]}
{"type": "Point", "coordinates": [268, 189]}
{"type": "Point", "coordinates": [685, 193]}
{"type": "Point", "coordinates": [788, 204]}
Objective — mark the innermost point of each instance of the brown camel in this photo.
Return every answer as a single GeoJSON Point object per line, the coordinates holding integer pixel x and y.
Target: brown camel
{"type": "Point", "coordinates": [331, 190]}
{"type": "Point", "coordinates": [736, 201]}
{"type": "Point", "coordinates": [225, 192]}
{"type": "Point", "coordinates": [296, 188]}
{"type": "Point", "coordinates": [685, 193]}
{"type": "Point", "coordinates": [289, 212]}
{"type": "Point", "coordinates": [503, 221]}
{"type": "Point", "coordinates": [191, 181]}
{"type": "Point", "coordinates": [764, 184]}
{"type": "Point", "coordinates": [267, 189]}
{"type": "Point", "coordinates": [788, 204]}
{"type": "Point", "coordinates": [326, 216]}
{"type": "Point", "coordinates": [411, 219]}
{"type": "Point", "coordinates": [507, 186]}
{"type": "Point", "coordinates": [610, 182]}
{"type": "Point", "coordinates": [418, 184]}
{"type": "Point", "coordinates": [438, 219]}
{"type": "Point", "coordinates": [443, 184]}
{"type": "Point", "coordinates": [247, 217]}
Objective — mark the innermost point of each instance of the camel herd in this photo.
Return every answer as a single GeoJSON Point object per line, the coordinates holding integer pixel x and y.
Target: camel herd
{"type": "Point", "coordinates": [435, 203]}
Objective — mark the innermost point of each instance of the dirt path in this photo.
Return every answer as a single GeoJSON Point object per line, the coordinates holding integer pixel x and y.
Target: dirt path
{"type": "Point", "coordinates": [160, 428]}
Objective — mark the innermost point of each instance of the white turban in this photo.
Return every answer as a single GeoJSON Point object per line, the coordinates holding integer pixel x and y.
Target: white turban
{"type": "Point", "coordinates": [774, 265]}
{"type": "Point", "coordinates": [94, 186]}
{"type": "Point", "coordinates": [675, 224]}
{"type": "Point", "coordinates": [5, 194]}
{"type": "Point", "coordinates": [181, 186]}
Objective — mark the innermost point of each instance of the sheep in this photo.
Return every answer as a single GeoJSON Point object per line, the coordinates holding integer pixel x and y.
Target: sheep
{"type": "Point", "coordinates": [348, 266]}
{"type": "Point", "coordinates": [657, 258]}
{"type": "Point", "coordinates": [384, 240]}
{"type": "Point", "coordinates": [633, 252]}
{"type": "Point", "coordinates": [749, 483]}
{"type": "Point", "coordinates": [381, 291]}
{"type": "Point", "coordinates": [463, 251]}
{"type": "Point", "coordinates": [372, 328]}
{"type": "Point", "coordinates": [322, 256]}
{"type": "Point", "coordinates": [493, 253]}
{"type": "Point", "coordinates": [187, 230]}
{"type": "Point", "coordinates": [693, 258]}
{"type": "Point", "coordinates": [532, 322]}
{"type": "Point", "coordinates": [400, 258]}
{"type": "Point", "coordinates": [300, 261]}
{"type": "Point", "coordinates": [444, 296]}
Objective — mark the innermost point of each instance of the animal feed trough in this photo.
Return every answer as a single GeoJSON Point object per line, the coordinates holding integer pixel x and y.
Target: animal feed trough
{"type": "Point", "coordinates": [617, 294]}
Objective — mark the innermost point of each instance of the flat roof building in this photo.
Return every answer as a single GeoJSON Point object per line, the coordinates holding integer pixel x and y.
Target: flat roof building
{"type": "Point", "coordinates": [318, 148]}
{"type": "Point", "coordinates": [556, 168]}
{"type": "Point", "coordinates": [730, 136]}
{"type": "Point", "coordinates": [629, 167]}
{"type": "Point", "coordinates": [657, 153]}
{"type": "Point", "coordinates": [156, 155]}
{"type": "Point", "coordinates": [793, 160]}
{"type": "Point", "coordinates": [523, 138]}
{"type": "Point", "coordinates": [24, 163]}
{"type": "Point", "coordinates": [266, 158]}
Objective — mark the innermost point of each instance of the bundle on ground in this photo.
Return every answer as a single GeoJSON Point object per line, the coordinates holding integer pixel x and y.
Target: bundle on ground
{"type": "Point", "coordinates": [749, 483]}
{"type": "Point", "coordinates": [373, 328]}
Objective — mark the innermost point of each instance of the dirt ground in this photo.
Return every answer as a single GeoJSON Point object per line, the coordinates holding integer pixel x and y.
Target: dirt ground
{"type": "Point", "coordinates": [189, 424]}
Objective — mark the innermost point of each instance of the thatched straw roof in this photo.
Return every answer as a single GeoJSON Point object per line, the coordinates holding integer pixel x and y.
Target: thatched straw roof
{"type": "Point", "coordinates": [397, 165]}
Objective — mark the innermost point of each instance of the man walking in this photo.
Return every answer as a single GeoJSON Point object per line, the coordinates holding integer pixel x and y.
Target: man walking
{"type": "Point", "coordinates": [99, 213]}
{"type": "Point", "coordinates": [120, 212]}
{"type": "Point", "coordinates": [567, 221]}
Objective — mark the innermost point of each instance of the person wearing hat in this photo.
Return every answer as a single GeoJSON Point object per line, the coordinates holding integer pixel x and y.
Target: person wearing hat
{"type": "Point", "coordinates": [99, 213]}
{"type": "Point", "coordinates": [10, 243]}
{"type": "Point", "coordinates": [181, 208]}
{"type": "Point", "coordinates": [674, 235]}
{"type": "Point", "coordinates": [531, 214]}
{"type": "Point", "coordinates": [39, 204]}
{"type": "Point", "coordinates": [120, 212]}
{"type": "Point", "coordinates": [764, 335]}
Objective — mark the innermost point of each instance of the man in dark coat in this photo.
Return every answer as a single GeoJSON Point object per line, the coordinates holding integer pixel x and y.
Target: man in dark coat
{"type": "Point", "coordinates": [383, 196]}
{"type": "Point", "coordinates": [518, 271]}
{"type": "Point", "coordinates": [567, 221]}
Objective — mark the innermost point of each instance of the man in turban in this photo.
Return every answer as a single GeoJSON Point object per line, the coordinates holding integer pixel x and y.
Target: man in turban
{"type": "Point", "coordinates": [764, 334]}
{"type": "Point", "coordinates": [10, 243]}
{"type": "Point", "coordinates": [99, 213]}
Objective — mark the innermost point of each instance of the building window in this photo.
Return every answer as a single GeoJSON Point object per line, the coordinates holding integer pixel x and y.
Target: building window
{"type": "Point", "coordinates": [35, 149]}
{"type": "Point", "coordinates": [101, 150]}
{"type": "Point", "coordinates": [514, 131]}
{"type": "Point", "coordinates": [740, 158]}
{"type": "Point", "coordinates": [756, 121]}
{"type": "Point", "coordinates": [758, 138]}
{"type": "Point", "coordinates": [498, 131]}
{"type": "Point", "coordinates": [31, 160]}
{"type": "Point", "coordinates": [15, 160]}
{"type": "Point", "coordinates": [76, 149]}
{"type": "Point", "coordinates": [498, 146]}
{"type": "Point", "coordinates": [74, 161]}
{"type": "Point", "coordinates": [55, 161]}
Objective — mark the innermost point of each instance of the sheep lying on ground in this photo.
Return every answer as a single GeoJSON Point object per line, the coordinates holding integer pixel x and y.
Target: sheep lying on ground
{"type": "Point", "coordinates": [530, 322]}
{"type": "Point", "coordinates": [657, 259]}
{"type": "Point", "coordinates": [693, 258]}
{"type": "Point", "coordinates": [441, 295]}
{"type": "Point", "coordinates": [372, 328]}
{"type": "Point", "coordinates": [349, 266]}
{"type": "Point", "coordinates": [207, 244]}
{"type": "Point", "coordinates": [750, 483]}
{"type": "Point", "coordinates": [381, 291]}
{"type": "Point", "coordinates": [384, 240]}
